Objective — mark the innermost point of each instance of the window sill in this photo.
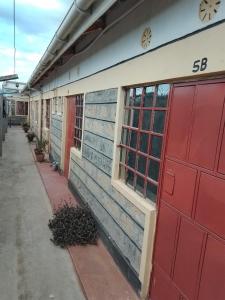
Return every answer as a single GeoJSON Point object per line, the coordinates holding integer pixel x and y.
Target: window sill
{"type": "Point", "coordinates": [76, 152]}
{"type": "Point", "coordinates": [133, 197]}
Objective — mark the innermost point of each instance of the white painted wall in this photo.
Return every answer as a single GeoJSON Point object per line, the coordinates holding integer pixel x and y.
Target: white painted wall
{"type": "Point", "coordinates": [168, 19]}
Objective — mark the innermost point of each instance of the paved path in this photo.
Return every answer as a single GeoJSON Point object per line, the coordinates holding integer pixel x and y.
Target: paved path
{"type": "Point", "coordinates": [31, 267]}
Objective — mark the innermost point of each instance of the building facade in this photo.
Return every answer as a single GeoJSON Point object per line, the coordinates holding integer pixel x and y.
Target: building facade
{"type": "Point", "coordinates": [133, 108]}
{"type": "Point", "coordinates": [17, 105]}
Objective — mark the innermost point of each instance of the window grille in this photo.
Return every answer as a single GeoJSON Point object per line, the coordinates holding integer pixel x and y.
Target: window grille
{"type": "Point", "coordinates": [61, 104]}
{"type": "Point", "coordinates": [54, 105]}
{"type": "Point", "coordinates": [47, 113]}
{"type": "Point", "coordinates": [78, 122]}
{"type": "Point", "coordinates": [142, 136]}
{"type": "Point", "coordinates": [36, 109]}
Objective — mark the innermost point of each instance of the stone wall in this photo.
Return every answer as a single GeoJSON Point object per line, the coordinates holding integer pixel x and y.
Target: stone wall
{"type": "Point", "coordinates": [91, 177]}
{"type": "Point", "coordinates": [56, 137]}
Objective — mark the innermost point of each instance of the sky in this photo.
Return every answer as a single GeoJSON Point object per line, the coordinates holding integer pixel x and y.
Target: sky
{"type": "Point", "coordinates": [36, 23]}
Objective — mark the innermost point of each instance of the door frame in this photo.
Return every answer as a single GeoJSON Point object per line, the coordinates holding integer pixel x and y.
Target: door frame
{"type": "Point", "coordinates": [69, 132]}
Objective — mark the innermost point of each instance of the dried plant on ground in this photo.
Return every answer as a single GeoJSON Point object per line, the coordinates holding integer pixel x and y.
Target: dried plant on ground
{"type": "Point", "coordinates": [73, 225]}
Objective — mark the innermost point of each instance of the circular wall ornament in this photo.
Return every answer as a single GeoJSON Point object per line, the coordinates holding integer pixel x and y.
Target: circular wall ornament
{"type": "Point", "coordinates": [146, 37]}
{"type": "Point", "coordinates": [208, 9]}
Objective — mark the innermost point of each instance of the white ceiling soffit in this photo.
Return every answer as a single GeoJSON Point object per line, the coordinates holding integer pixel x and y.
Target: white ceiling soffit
{"type": "Point", "coordinates": [78, 19]}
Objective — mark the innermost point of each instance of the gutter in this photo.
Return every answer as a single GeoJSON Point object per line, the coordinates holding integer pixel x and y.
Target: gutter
{"type": "Point", "coordinates": [81, 15]}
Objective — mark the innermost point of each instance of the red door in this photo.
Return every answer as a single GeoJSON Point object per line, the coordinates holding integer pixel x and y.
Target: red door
{"type": "Point", "coordinates": [69, 132]}
{"type": "Point", "coordinates": [189, 253]}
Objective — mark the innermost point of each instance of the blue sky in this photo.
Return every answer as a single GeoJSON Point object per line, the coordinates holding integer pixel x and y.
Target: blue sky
{"type": "Point", "coordinates": [36, 23]}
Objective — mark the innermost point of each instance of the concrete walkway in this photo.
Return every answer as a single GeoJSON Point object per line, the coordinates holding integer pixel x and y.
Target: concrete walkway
{"type": "Point", "coordinates": [31, 267]}
{"type": "Point", "coordinates": [98, 273]}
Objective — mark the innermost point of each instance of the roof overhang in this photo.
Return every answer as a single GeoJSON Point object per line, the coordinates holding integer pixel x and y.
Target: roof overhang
{"type": "Point", "coordinates": [79, 19]}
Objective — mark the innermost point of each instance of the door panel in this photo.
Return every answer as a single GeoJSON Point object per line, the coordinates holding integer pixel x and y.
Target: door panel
{"type": "Point", "coordinates": [221, 168]}
{"type": "Point", "coordinates": [210, 210]}
{"type": "Point", "coordinates": [213, 275]}
{"type": "Point", "coordinates": [188, 257]}
{"type": "Point", "coordinates": [166, 238]}
{"type": "Point", "coordinates": [190, 234]}
{"type": "Point", "coordinates": [179, 193]}
{"type": "Point", "coordinates": [181, 112]}
{"type": "Point", "coordinates": [208, 112]}
{"type": "Point", "coordinates": [163, 289]}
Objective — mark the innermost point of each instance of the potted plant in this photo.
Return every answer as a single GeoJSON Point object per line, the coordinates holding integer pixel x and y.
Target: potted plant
{"type": "Point", "coordinates": [26, 127]}
{"type": "Point", "coordinates": [40, 149]}
{"type": "Point", "coordinates": [30, 136]}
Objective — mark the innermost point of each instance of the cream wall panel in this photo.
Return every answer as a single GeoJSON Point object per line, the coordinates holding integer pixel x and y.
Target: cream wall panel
{"type": "Point", "coordinates": [169, 20]}
{"type": "Point", "coordinates": [167, 63]}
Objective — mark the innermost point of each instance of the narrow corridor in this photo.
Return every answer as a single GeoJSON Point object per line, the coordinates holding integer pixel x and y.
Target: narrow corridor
{"type": "Point", "coordinates": [31, 267]}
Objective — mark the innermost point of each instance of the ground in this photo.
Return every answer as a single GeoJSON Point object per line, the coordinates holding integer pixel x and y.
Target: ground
{"type": "Point", "coordinates": [31, 267]}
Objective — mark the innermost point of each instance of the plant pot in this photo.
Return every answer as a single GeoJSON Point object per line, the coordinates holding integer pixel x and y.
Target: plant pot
{"type": "Point", "coordinates": [40, 156]}
{"type": "Point", "coordinates": [30, 137]}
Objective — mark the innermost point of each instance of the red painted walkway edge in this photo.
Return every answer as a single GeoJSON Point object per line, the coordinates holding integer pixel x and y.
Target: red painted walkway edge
{"type": "Point", "coordinates": [99, 276]}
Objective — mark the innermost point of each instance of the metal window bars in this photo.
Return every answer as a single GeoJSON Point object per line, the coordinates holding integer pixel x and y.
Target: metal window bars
{"type": "Point", "coordinates": [142, 135]}
{"type": "Point", "coordinates": [78, 122]}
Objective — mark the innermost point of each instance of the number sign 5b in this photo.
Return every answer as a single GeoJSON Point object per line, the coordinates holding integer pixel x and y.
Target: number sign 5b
{"type": "Point", "coordinates": [200, 65]}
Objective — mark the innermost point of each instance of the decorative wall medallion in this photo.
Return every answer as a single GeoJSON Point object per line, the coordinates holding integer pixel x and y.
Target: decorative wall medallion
{"type": "Point", "coordinates": [208, 9]}
{"type": "Point", "coordinates": [146, 37]}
